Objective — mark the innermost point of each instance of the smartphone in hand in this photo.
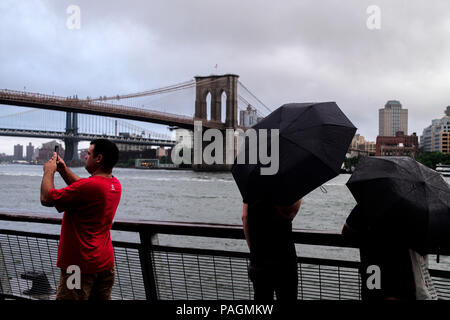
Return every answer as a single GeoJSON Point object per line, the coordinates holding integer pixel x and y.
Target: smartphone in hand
{"type": "Point", "coordinates": [57, 151]}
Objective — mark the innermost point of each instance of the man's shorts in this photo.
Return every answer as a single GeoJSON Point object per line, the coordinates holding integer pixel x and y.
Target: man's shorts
{"type": "Point", "coordinates": [95, 286]}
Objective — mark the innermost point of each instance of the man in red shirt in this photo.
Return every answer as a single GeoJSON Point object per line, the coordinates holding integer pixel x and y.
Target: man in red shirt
{"type": "Point", "coordinates": [89, 207]}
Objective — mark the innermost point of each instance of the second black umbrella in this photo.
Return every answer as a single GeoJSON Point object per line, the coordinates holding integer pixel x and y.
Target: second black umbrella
{"type": "Point", "coordinates": [313, 141]}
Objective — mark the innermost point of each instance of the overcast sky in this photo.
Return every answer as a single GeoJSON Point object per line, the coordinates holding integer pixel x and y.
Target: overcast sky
{"type": "Point", "coordinates": [283, 51]}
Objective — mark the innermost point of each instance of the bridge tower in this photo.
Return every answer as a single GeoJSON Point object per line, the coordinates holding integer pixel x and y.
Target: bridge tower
{"type": "Point", "coordinates": [71, 144]}
{"type": "Point", "coordinates": [216, 85]}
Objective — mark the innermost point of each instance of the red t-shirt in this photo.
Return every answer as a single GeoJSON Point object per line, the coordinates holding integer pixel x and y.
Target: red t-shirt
{"type": "Point", "coordinates": [90, 205]}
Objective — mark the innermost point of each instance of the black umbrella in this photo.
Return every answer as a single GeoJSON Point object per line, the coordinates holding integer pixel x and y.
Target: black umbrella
{"type": "Point", "coordinates": [403, 200]}
{"type": "Point", "coordinates": [313, 141]}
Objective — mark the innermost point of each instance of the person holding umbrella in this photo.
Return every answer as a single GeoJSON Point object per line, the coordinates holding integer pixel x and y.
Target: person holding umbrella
{"type": "Point", "coordinates": [403, 213]}
{"type": "Point", "coordinates": [313, 141]}
{"type": "Point", "coordinates": [273, 260]}
{"type": "Point", "coordinates": [386, 268]}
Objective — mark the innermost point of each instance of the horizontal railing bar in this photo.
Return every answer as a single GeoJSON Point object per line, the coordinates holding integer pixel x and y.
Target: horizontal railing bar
{"type": "Point", "coordinates": [306, 237]}
{"type": "Point", "coordinates": [234, 254]}
{"type": "Point", "coordinates": [329, 262]}
{"type": "Point", "coordinates": [13, 296]}
{"type": "Point", "coordinates": [440, 273]}
{"type": "Point", "coordinates": [29, 234]}
{"type": "Point", "coordinates": [127, 245]}
{"type": "Point", "coordinates": [186, 228]}
{"type": "Point", "coordinates": [203, 252]}
{"type": "Point", "coordinates": [329, 289]}
{"type": "Point", "coordinates": [37, 217]}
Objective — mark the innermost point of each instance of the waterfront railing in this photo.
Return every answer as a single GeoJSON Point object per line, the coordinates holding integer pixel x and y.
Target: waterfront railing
{"type": "Point", "coordinates": [146, 270]}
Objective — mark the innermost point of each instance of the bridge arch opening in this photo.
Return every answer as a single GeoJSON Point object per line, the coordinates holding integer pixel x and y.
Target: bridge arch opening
{"type": "Point", "coordinates": [208, 106]}
{"type": "Point", "coordinates": [223, 106]}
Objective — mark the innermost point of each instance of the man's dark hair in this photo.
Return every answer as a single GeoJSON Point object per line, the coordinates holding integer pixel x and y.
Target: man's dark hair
{"type": "Point", "coordinates": [108, 150]}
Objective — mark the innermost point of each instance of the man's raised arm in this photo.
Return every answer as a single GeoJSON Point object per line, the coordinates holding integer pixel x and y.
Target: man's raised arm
{"type": "Point", "coordinates": [67, 174]}
{"type": "Point", "coordinates": [48, 181]}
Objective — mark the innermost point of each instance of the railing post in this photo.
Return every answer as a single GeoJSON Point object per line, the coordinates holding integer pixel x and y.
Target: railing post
{"type": "Point", "coordinates": [5, 286]}
{"type": "Point", "coordinates": [145, 256]}
{"type": "Point", "coordinates": [2, 276]}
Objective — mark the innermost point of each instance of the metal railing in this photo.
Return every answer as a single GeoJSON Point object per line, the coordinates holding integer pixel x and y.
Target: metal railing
{"type": "Point", "coordinates": [148, 271]}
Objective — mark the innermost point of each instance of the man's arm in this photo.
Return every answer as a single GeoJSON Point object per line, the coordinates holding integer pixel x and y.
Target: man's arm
{"type": "Point", "coordinates": [289, 212]}
{"type": "Point", "coordinates": [354, 226]}
{"type": "Point", "coordinates": [244, 222]}
{"type": "Point", "coordinates": [67, 174]}
{"type": "Point", "coordinates": [48, 181]}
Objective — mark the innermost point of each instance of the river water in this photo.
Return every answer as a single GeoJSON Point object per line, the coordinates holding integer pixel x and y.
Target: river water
{"type": "Point", "coordinates": [188, 196]}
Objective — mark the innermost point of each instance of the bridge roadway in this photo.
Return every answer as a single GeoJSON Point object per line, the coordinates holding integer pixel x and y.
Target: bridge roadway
{"type": "Point", "coordinates": [51, 102]}
{"type": "Point", "coordinates": [85, 137]}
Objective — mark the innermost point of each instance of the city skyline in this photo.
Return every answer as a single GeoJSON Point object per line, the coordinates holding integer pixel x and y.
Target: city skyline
{"type": "Point", "coordinates": [330, 54]}
{"type": "Point", "coordinates": [8, 148]}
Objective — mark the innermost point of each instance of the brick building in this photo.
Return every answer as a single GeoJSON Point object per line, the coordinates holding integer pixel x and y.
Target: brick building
{"type": "Point", "coordinates": [400, 145]}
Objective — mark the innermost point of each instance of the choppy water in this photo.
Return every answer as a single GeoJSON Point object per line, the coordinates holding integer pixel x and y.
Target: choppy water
{"type": "Point", "coordinates": [187, 196]}
{"type": "Point", "coordinates": [178, 196]}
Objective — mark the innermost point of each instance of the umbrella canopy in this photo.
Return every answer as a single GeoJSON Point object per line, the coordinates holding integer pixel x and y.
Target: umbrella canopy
{"type": "Point", "coordinates": [313, 141]}
{"type": "Point", "coordinates": [404, 200]}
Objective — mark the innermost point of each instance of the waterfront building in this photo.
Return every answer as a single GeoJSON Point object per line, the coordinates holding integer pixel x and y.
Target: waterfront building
{"type": "Point", "coordinates": [400, 145]}
{"type": "Point", "coordinates": [30, 152]}
{"type": "Point", "coordinates": [184, 138]}
{"type": "Point", "coordinates": [35, 154]}
{"type": "Point", "coordinates": [6, 158]}
{"type": "Point", "coordinates": [125, 147]}
{"type": "Point", "coordinates": [392, 119]}
{"type": "Point", "coordinates": [359, 146]}
{"type": "Point", "coordinates": [18, 152]}
{"type": "Point", "coordinates": [436, 137]}
{"type": "Point", "coordinates": [161, 152]}
{"type": "Point", "coordinates": [249, 117]}
{"type": "Point", "coordinates": [47, 149]}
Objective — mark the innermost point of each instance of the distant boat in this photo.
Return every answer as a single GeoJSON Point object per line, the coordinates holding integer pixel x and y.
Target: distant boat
{"type": "Point", "coordinates": [443, 169]}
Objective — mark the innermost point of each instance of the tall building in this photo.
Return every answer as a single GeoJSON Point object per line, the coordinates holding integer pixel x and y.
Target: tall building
{"type": "Point", "coordinates": [436, 137]}
{"type": "Point", "coordinates": [249, 117]}
{"type": "Point", "coordinates": [392, 119]}
{"type": "Point", "coordinates": [18, 152]}
{"type": "Point", "coordinates": [30, 152]}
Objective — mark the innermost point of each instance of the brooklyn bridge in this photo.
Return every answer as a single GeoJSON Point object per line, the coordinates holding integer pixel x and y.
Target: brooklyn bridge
{"type": "Point", "coordinates": [218, 99]}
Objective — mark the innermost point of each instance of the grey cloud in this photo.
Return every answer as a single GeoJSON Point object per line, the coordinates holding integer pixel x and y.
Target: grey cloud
{"type": "Point", "coordinates": [284, 51]}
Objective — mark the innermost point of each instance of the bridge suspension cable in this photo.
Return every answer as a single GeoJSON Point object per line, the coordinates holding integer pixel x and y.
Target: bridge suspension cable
{"type": "Point", "coordinates": [113, 127]}
{"type": "Point", "coordinates": [258, 112]}
{"type": "Point", "coordinates": [30, 119]}
{"type": "Point", "coordinates": [176, 87]}
{"type": "Point", "coordinates": [17, 114]}
{"type": "Point", "coordinates": [141, 129]}
{"type": "Point", "coordinates": [254, 96]}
